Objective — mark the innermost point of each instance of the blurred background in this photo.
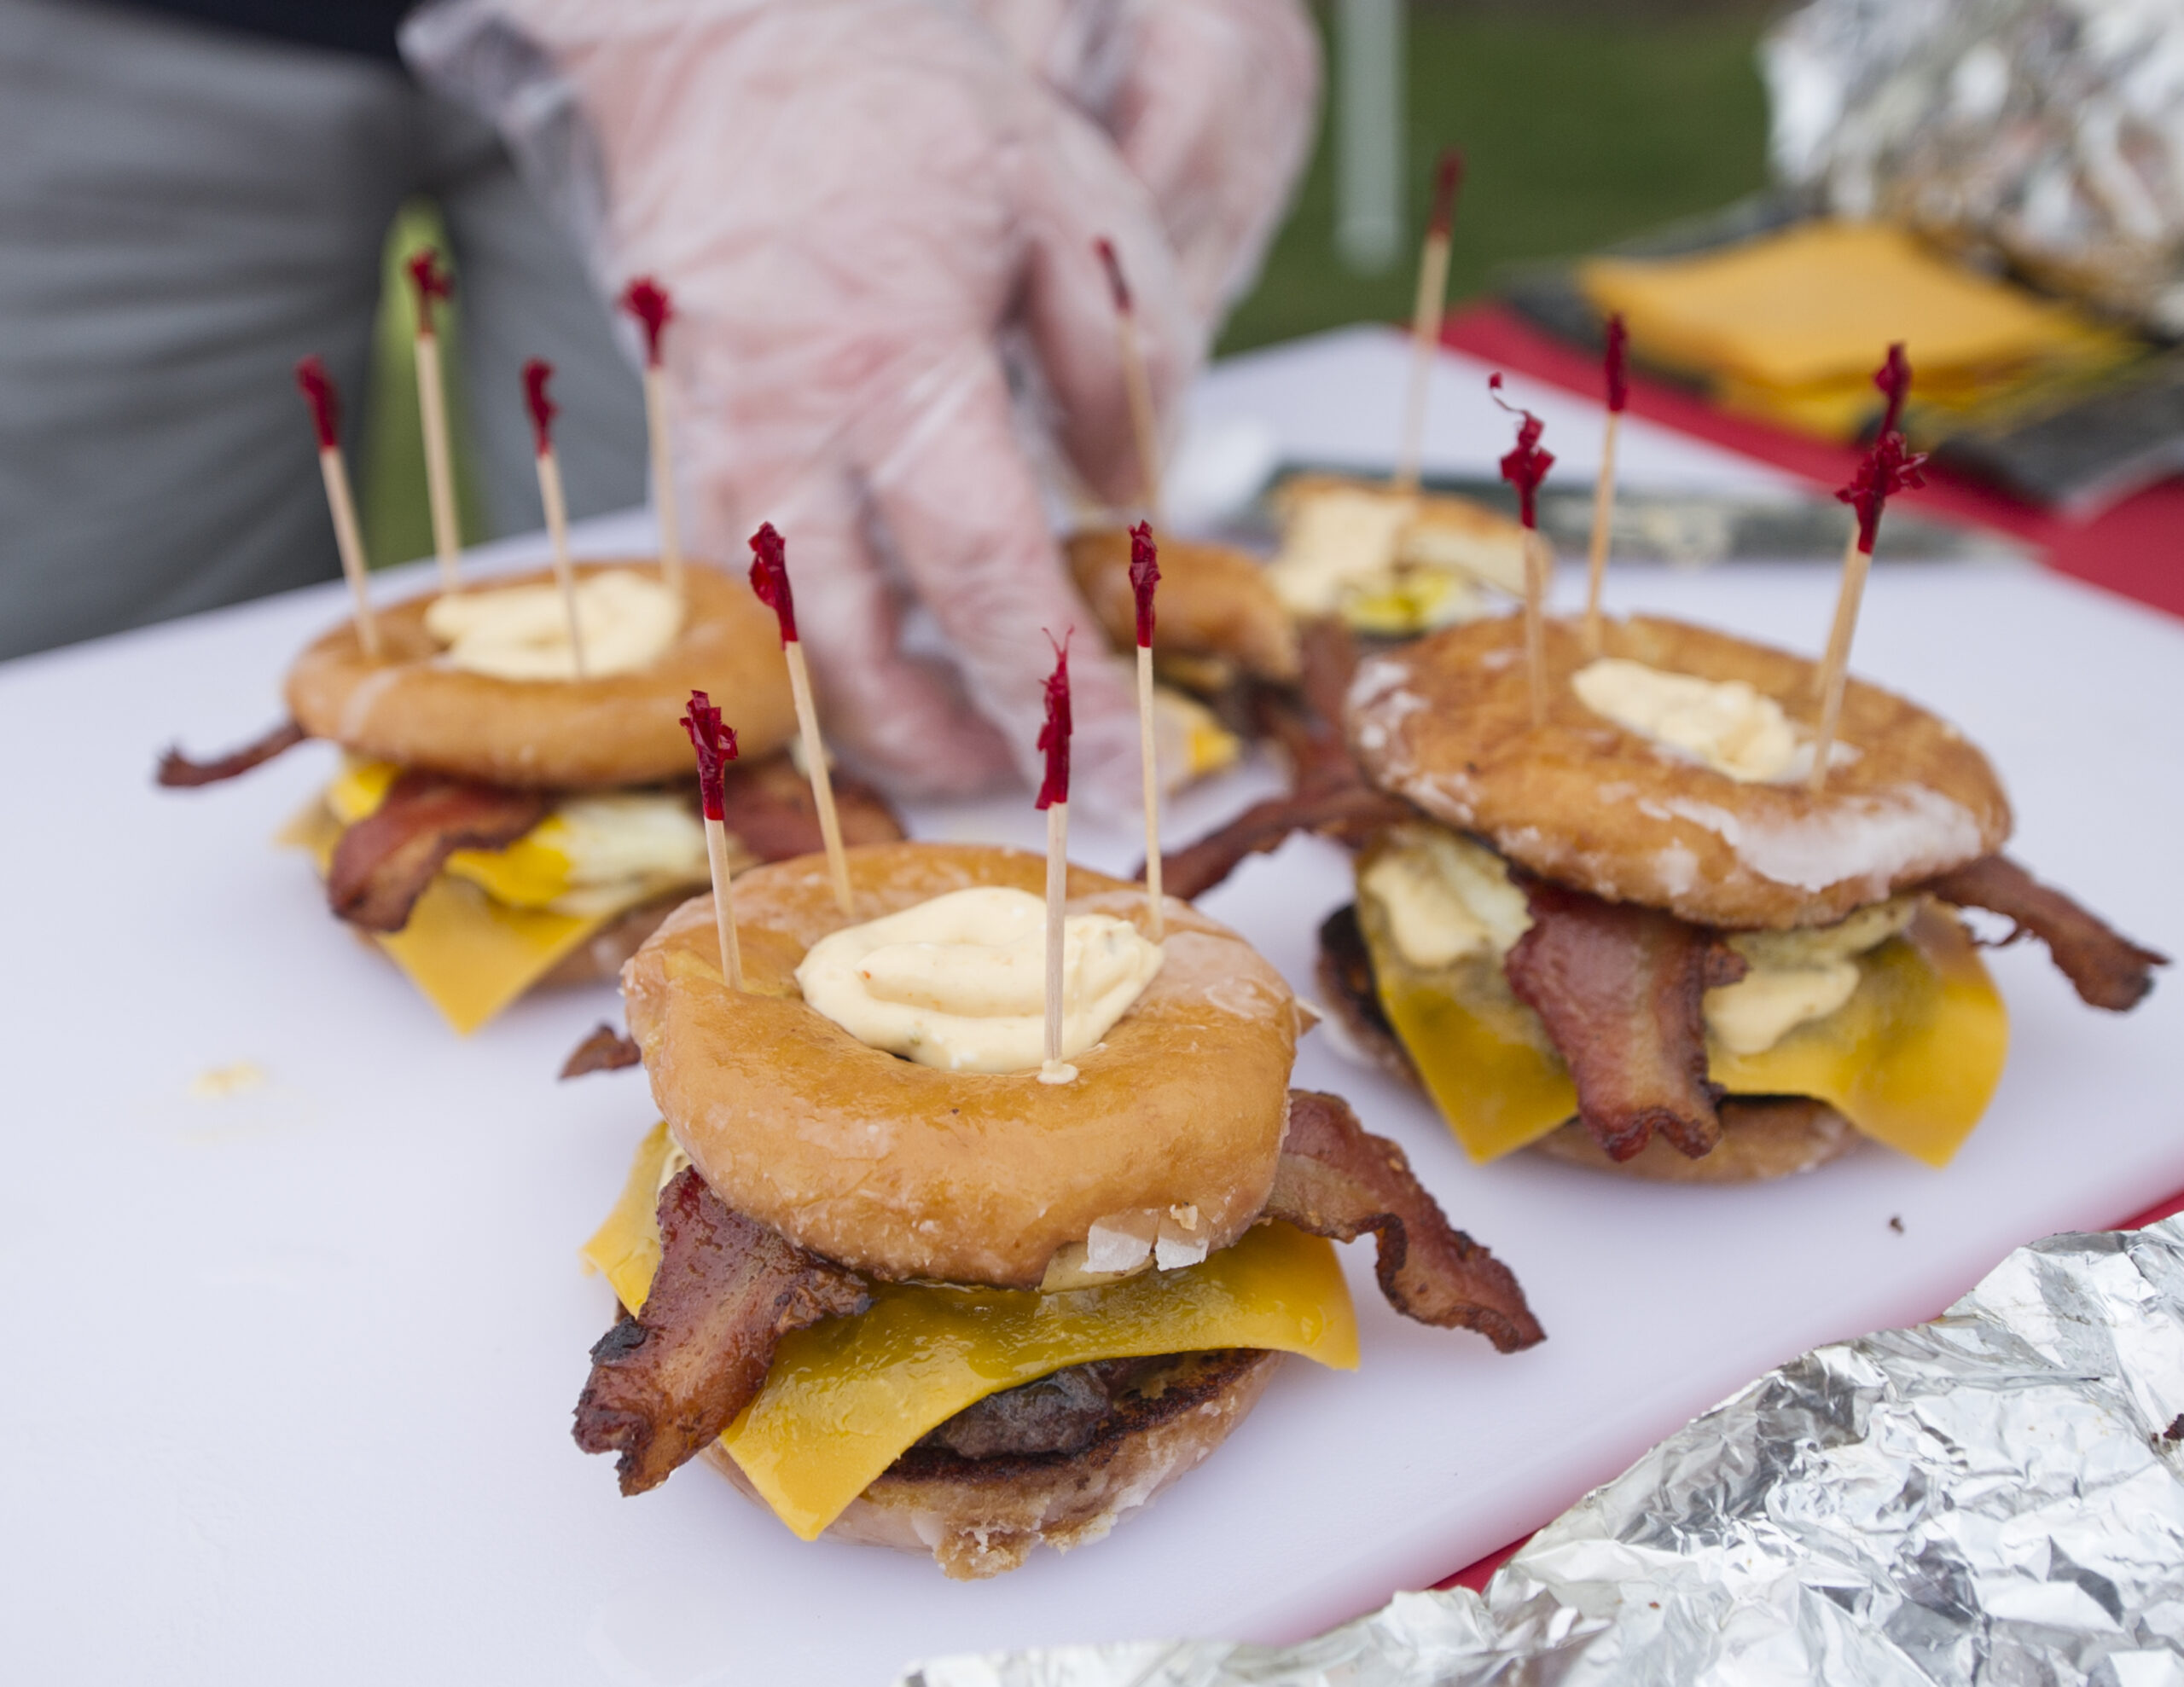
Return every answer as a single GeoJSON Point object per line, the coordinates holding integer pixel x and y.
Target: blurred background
{"type": "Point", "coordinates": [1585, 122]}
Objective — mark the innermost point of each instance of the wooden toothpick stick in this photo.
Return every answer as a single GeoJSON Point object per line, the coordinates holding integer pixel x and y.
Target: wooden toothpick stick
{"type": "Point", "coordinates": [1893, 378]}
{"type": "Point", "coordinates": [318, 391]}
{"type": "Point", "coordinates": [1053, 797]}
{"type": "Point", "coordinates": [715, 745]}
{"type": "Point", "coordinates": [1619, 395]}
{"type": "Point", "coordinates": [431, 282]}
{"type": "Point", "coordinates": [536, 373]}
{"type": "Point", "coordinates": [1137, 386]}
{"type": "Point", "coordinates": [1425, 316]}
{"type": "Point", "coordinates": [1888, 469]}
{"type": "Point", "coordinates": [647, 301]}
{"type": "Point", "coordinates": [1144, 575]}
{"type": "Point", "coordinates": [1524, 468]}
{"type": "Point", "coordinates": [769, 580]}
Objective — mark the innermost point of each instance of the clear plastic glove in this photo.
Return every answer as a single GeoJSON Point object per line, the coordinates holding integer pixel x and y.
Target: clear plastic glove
{"type": "Point", "coordinates": [854, 203]}
{"type": "Point", "coordinates": [1213, 104]}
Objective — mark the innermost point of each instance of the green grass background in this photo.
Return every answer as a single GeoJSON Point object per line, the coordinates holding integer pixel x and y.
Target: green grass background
{"type": "Point", "coordinates": [1583, 121]}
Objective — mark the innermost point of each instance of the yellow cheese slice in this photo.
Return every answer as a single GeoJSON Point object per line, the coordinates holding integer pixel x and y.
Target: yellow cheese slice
{"type": "Point", "coordinates": [469, 955]}
{"type": "Point", "coordinates": [1789, 327]}
{"type": "Point", "coordinates": [528, 873]}
{"type": "Point", "coordinates": [1912, 1059]}
{"type": "Point", "coordinates": [846, 1398]}
{"type": "Point", "coordinates": [1823, 301]}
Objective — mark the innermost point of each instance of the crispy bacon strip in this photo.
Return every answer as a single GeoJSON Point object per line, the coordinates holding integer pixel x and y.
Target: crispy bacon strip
{"type": "Point", "coordinates": [1330, 798]}
{"type": "Point", "coordinates": [1622, 989]}
{"type": "Point", "coordinates": [1350, 814]}
{"type": "Point", "coordinates": [177, 772]}
{"type": "Point", "coordinates": [606, 1050]}
{"type": "Point", "coordinates": [2107, 969]}
{"type": "Point", "coordinates": [665, 1382]}
{"type": "Point", "coordinates": [383, 862]}
{"type": "Point", "coordinates": [1335, 1180]}
{"type": "Point", "coordinates": [769, 808]}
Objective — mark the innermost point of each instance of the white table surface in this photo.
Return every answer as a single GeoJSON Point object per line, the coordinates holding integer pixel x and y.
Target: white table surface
{"type": "Point", "coordinates": [293, 1370]}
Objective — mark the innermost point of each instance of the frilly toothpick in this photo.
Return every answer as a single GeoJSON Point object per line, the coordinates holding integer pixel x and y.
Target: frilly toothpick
{"type": "Point", "coordinates": [1137, 386]}
{"type": "Point", "coordinates": [1144, 575]}
{"type": "Point", "coordinates": [1888, 468]}
{"type": "Point", "coordinates": [714, 743]}
{"type": "Point", "coordinates": [318, 390]}
{"type": "Point", "coordinates": [1053, 799]}
{"type": "Point", "coordinates": [1617, 371]}
{"type": "Point", "coordinates": [431, 282]}
{"type": "Point", "coordinates": [1425, 312]}
{"type": "Point", "coordinates": [1524, 468]}
{"type": "Point", "coordinates": [769, 580]}
{"type": "Point", "coordinates": [536, 373]}
{"type": "Point", "coordinates": [645, 299]}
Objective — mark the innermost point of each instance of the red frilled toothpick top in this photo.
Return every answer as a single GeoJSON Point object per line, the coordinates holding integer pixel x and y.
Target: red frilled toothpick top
{"type": "Point", "coordinates": [1448, 178]}
{"type": "Point", "coordinates": [430, 281]}
{"type": "Point", "coordinates": [769, 578]}
{"type": "Point", "coordinates": [1053, 736]}
{"type": "Point", "coordinates": [1618, 364]}
{"type": "Point", "coordinates": [536, 373]}
{"type": "Point", "coordinates": [647, 301]}
{"type": "Point", "coordinates": [317, 388]}
{"type": "Point", "coordinates": [1526, 464]}
{"type": "Point", "coordinates": [1144, 575]}
{"type": "Point", "coordinates": [1888, 468]}
{"type": "Point", "coordinates": [715, 745]}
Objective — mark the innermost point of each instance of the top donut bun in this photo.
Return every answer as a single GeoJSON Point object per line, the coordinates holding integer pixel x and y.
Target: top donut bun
{"type": "Point", "coordinates": [1446, 722]}
{"type": "Point", "coordinates": [409, 709]}
{"type": "Point", "coordinates": [904, 1171]}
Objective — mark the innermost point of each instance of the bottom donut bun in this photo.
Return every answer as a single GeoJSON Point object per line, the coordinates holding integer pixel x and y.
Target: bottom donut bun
{"type": "Point", "coordinates": [1762, 1137]}
{"type": "Point", "coordinates": [982, 1517]}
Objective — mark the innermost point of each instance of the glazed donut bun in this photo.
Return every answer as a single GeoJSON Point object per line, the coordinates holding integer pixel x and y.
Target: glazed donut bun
{"type": "Point", "coordinates": [1764, 1137]}
{"type": "Point", "coordinates": [1446, 722]}
{"type": "Point", "coordinates": [1215, 602]}
{"type": "Point", "coordinates": [411, 708]}
{"type": "Point", "coordinates": [904, 1171]}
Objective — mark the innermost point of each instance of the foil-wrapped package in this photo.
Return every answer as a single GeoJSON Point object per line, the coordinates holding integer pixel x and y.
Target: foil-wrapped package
{"type": "Point", "coordinates": [1995, 1496]}
{"type": "Point", "coordinates": [2045, 135]}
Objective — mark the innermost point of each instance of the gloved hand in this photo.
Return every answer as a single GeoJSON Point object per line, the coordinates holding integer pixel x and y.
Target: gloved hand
{"type": "Point", "coordinates": [1211, 102]}
{"type": "Point", "coordinates": [854, 203]}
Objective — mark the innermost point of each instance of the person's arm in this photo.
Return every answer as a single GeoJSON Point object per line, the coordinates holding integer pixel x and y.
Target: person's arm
{"type": "Point", "coordinates": [855, 204]}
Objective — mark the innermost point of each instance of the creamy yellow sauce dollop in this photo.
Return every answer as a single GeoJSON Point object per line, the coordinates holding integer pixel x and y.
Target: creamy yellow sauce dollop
{"type": "Point", "coordinates": [959, 982]}
{"type": "Point", "coordinates": [1337, 541]}
{"type": "Point", "coordinates": [1723, 724]}
{"type": "Point", "coordinates": [522, 632]}
{"type": "Point", "coordinates": [1448, 899]}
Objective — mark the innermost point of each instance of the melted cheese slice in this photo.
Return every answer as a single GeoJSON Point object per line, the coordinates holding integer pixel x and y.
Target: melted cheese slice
{"type": "Point", "coordinates": [1785, 326]}
{"type": "Point", "coordinates": [844, 1399]}
{"type": "Point", "coordinates": [1911, 1059]}
{"type": "Point", "coordinates": [469, 955]}
{"type": "Point", "coordinates": [481, 935]}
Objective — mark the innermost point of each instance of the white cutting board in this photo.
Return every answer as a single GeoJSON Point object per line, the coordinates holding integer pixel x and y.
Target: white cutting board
{"type": "Point", "coordinates": [291, 1372]}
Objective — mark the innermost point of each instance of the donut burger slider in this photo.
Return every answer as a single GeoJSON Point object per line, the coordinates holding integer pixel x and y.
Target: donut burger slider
{"type": "Point", "coordinates": [514, 805]}
{"type": "Point", "coordinates": [1388, 559]}
{"type": "Point", "coordinates": [940, 1248]}
{"type": "Point", "coordinates": [1651, 919]}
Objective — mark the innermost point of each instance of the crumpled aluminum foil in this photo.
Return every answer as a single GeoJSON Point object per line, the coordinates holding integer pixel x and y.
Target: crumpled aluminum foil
{"type": "Point", "coordinates": [1996, 1497]}
{"type": "Point", "coordinates": [2046, 135]}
